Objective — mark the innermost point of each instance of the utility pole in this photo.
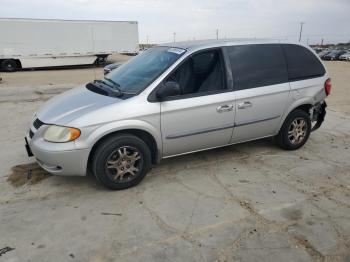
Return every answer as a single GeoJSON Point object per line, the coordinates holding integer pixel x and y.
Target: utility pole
{"type": "Point", "coordinates": [301, 30]}
{"type": "Point", "coordinates": [147, 39]}
{"type": "Point", "coordinates": [174, 37]}
{"type": "Point", "coordinates": [217, 34]}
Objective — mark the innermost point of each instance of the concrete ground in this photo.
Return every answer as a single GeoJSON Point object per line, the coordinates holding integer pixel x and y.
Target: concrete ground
{"type": "Point", "coordinates": [248, 202]}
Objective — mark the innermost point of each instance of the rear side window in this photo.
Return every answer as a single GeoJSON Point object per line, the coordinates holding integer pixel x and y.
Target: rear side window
{"type": "Point", "coordinates": [302, 63]}
{"type": "Point", "coordinates": [257, 65]}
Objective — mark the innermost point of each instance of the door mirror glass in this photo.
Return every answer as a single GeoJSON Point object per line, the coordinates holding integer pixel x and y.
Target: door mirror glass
{"type": "Point", "coordinates": [170, 88]}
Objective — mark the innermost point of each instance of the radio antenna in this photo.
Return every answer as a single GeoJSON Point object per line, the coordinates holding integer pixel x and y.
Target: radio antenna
{"type": "Point", "coordinates": [93, 50]}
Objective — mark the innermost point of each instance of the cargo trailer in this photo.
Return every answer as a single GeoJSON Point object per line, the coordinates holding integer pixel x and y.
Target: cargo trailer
{"type": "Point", "coordinates": [37, 43]}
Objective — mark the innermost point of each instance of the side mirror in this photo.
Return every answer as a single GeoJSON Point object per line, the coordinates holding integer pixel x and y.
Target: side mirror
{"type": "Point", "coordinates": [168, 89]}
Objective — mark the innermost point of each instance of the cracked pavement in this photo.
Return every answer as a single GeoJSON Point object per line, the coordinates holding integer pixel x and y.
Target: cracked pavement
{"type": "Point", "coordinates": [247, 202]}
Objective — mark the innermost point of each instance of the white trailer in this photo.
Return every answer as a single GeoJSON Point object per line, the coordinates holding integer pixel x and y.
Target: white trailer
{"type": "Point", "coordinates": [34, 43]}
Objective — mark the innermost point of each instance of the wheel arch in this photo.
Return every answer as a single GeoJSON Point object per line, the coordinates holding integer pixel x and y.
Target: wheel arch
{"type": "Point", "coordinates": [304, 104]}
{"type": "Point", "coordinates": [145, 136]}
{"type": "Point", "coordinates": [305, 107]}
{"type": "Point", "coordinates": [19, 63]}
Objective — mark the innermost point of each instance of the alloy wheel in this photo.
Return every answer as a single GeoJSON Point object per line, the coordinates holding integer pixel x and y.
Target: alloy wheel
{"type": "Point", "coordinates": [124, 164]}
{"type": "Point", "coordinates": [297, 131]}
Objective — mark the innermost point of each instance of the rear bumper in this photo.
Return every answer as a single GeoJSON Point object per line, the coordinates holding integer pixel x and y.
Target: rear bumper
{"type": "Point", "coordinates": [59, 162]}
{"type": "Point", "coordinates": [319, 115]}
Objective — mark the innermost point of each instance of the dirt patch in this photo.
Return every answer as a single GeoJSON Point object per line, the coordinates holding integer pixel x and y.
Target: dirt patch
{"type": "Point", "coordinates": [292, 214]}
{"type": "Point", "coordinates": [246, 205]}
{"type": "Point", "coordinates": [27, 174]}
{"type": "Point", "coordinates": [303, 242]}
{"type": "Point", "coordinates": [5, 250]}
{"type": "Point", "coordinates": [52, 91]}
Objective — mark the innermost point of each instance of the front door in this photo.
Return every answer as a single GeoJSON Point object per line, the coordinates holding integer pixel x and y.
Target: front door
{"type": "Point", "coordinates": [203, 115]}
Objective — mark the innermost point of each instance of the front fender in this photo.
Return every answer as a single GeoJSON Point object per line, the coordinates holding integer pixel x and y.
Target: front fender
{"type": "Point", "coordinates": [112, 127]}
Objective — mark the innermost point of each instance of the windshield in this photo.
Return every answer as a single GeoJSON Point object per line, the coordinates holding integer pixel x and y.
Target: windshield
{"type": "Point", "coordinates": [135, 75]}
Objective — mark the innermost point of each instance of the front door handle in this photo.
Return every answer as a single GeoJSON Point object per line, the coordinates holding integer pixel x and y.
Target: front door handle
{"type": "Point", "coordinates": [224, 108]}
{"type": "Point", "coordinates": [245, 105]}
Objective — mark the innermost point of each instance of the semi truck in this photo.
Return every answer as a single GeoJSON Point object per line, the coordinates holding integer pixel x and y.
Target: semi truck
{"type": "Point", "coordinates": [37, 43]}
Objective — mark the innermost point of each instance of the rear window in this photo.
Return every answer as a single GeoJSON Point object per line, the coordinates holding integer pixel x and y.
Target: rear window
{"type": "Point", "coordinates": [257, 65]}
{"type": "Point", "coordinates": [302, 63]}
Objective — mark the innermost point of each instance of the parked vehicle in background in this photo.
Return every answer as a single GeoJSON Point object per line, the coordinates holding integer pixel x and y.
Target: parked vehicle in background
{"type": "Point", "coordinates": [318, 50]}
{"type": "Point", "coordinates": [323, 53]}
{"type": "Point", "coordinates": [345, 57]}
{"type": "Point", "coordinates": [181, 98]}
{"type": "Point", "coordinates": [108, 68]}
{"type": "Point", "coordinates": [333, 55]}
{"type": "Point", "coordinates": [34, 43]}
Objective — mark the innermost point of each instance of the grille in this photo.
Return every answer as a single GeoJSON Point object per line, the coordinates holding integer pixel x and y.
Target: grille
{"type": "Point", "coordinates": [37, 123]}
{"type": "Point", "coordinates": [31, 134]}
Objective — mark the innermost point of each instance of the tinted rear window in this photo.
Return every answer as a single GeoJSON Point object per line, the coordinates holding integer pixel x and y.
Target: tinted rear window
{"type": "Point", "coordinates": [257, 65]}
{"type": "Point", "coordinates": [302, 63]}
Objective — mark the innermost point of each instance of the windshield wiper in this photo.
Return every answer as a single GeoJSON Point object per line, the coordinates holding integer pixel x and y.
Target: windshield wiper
{"type": "Point", "coordinates": [117, 86]}
{"type": "Point", "coordinates": [112, 89]}
{"type": "Point", "coordinates": [113, 82]}
{"type": "Point", "coordinates": [105, 83]}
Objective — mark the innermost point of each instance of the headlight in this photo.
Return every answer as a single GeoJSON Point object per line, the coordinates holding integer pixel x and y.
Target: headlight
{"type": "Point", "coordinates": [61, 134]}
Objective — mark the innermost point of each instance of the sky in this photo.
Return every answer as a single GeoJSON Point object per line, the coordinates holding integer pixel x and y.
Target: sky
{"type": "Point", "coordinates": [199, 19]}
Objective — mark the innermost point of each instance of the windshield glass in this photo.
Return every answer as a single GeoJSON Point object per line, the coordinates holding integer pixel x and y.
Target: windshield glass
{"type": "Point", "coordinates": [135, 75]}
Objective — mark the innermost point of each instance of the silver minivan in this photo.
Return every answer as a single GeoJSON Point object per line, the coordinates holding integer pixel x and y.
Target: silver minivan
{"type": "Point", "coordinates": [181, 98]}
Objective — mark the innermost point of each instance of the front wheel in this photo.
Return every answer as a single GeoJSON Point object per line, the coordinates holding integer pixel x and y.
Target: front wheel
{"type": "Point", "coordinates": [295, 130]}
{"type": "Point", "coordinates": [121, 161]}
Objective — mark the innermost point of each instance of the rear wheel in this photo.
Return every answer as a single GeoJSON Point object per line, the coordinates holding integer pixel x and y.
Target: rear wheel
{"type": "Point", "coordinates": [9, 65]}
{"type": "Point", "coordinates": [121, 161]}
{"type": "Point", "coordinates": [101, 60]}
{"type": "Point", "coordinates": [295, 130]}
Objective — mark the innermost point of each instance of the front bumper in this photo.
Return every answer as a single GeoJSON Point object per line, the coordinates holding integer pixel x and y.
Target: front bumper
{"type": "Point", "coordinates": [57, 158]}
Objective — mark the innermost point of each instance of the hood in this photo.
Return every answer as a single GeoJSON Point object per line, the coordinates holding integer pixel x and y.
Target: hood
{"type": "Point", "coordinates": [72, 104]}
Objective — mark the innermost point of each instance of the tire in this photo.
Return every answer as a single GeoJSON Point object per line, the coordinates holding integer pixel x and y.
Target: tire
{"type": "Point", "coordinates": [9, 65]}
{"type": "Point", "coordinates": [292, 136]}
{"type": "Point", "coordinates": [117, 166]}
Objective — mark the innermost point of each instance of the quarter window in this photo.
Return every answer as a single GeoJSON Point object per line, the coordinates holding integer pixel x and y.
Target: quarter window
{"type": "Point", "coordinates": [257, 65]}
{"type": "Point", "coordinates": [302, 63]}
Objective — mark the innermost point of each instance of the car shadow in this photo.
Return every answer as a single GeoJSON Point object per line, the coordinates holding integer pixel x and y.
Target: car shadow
{"type": "Point", "coordinates": [32, 173]}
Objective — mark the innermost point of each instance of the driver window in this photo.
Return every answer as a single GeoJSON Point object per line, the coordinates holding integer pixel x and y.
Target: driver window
{"type": "Point", "coordinates": [200, 73]}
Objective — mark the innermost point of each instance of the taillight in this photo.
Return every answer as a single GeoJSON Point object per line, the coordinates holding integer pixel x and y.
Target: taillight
{"type": "Point", "coordinates": [328, 86]}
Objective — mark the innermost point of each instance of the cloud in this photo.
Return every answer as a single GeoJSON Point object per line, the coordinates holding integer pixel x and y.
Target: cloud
{"type": "Point", "coordinates": [199, 19]}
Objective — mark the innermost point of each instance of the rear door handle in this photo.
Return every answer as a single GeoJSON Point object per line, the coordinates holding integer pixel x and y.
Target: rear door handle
{"type": "Point", "coordinates": [224, 108]}
{"type": "Point", "coordinates": [245, 105]}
